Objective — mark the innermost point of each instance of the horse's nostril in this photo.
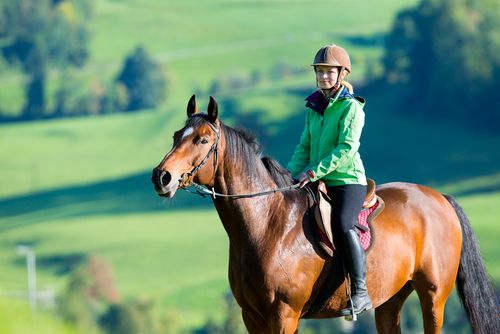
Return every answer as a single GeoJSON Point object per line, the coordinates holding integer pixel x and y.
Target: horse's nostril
{"type": "Point", "coordinates": [165, 178]}
{"type": "Point", "coordinates": [160, 178]}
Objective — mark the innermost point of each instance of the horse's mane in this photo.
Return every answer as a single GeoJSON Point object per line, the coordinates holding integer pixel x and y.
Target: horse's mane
{"type": "Point", "coordinates": [251, 150]}
{"type": "Point", "coordinates": [280, 175]}
{"type": "Point", "coordinates": [243, 145]}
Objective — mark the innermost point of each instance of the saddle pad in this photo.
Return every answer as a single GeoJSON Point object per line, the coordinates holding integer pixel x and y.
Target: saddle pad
{"type": "Point", "coordinates": [365, 235]}
{"type": "Point", "coordinates": [363, 228]}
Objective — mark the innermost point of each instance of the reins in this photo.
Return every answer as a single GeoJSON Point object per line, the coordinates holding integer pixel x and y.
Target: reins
{"type": "Point", "coordinates": [203, 191]}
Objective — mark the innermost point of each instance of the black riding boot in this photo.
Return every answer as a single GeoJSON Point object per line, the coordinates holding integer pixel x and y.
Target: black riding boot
{"type": "Point", "coordinates": [356, 264]}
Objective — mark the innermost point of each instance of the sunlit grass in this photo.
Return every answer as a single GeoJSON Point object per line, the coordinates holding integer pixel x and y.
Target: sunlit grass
{"type": "Point", "coordinates": [483, 211]}
{"type": "Point", "coordinates": [17, 318]}
{"type": "Point", "coordinates": [196, 42]}
{"type": "Point", "coordinates": [176, 259]}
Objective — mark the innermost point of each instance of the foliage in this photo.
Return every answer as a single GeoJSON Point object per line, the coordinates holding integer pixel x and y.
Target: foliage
{"type": "Point", "coordinates": [90, 289]}
{"type": "Point", "coordinates": [143, 80]}
{"type": "Point", "coordinates": [82, 212]}
{"type": "Point", "coordinates": [127, 318]}
{"type": "Point", "coordinates": [221, 40]}
{"type": "Point", "coordinates": [455, 320]}
{"type": "Point", "coordinates": [232, 324]}
{"type": "Point", "coordinates": [120, 319]}
{"type": "Point", "coordinates": [92, 303]}
{"type": "Point", "coordinates": [63, 188]}
{"type": "Point", "coordinates": [313, 326]}
{"type": "Point", "coordinates": [136, 316]}
{"type": "Point", "coordinates": [447, 54]}
{"type": "Point", "coordinates": [37, 33]}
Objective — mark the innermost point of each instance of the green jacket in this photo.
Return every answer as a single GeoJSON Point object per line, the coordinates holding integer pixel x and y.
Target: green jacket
{"type": "Point", "coordinates": [328, 148]}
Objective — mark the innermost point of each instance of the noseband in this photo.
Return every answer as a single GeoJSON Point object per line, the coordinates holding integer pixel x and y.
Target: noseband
{"type": "Point", "coordinates": [186, 179]}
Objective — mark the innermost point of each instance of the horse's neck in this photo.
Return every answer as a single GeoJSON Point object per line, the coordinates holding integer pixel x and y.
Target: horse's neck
{"type": "Point", "coordinates": [245, 220]}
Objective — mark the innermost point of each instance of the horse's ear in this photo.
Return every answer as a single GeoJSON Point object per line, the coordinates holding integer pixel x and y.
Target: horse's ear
{"type": "Point", "coordinates": [213, 110]}
{"type": "Point", "coordinates": [192, 108]}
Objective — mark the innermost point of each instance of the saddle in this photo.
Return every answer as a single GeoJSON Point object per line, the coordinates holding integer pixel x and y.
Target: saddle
{"type": "Point", "coordinates": [321, 208]}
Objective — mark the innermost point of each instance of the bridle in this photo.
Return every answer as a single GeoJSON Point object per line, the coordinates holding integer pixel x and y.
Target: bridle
{"type": "Point", "coordinates": [186, 179]}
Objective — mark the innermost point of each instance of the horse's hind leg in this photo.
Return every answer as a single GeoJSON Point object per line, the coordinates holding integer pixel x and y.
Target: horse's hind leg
{"type": "Point", "coordinates": [387, 315]}
{"type": "Point", "coordinates": [432, 312]}
{"type": "Point", "coordinates": [432, 301]}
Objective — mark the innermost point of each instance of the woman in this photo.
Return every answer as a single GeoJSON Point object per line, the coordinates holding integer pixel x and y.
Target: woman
{"type": "Point", "coordinates": [328, 151]}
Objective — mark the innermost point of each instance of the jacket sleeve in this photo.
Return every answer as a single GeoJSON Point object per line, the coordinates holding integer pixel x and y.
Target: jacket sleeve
{"type": "Point", "coordinates": [350, 128]}
{"type": "Point", "coordinates": [301, 155]}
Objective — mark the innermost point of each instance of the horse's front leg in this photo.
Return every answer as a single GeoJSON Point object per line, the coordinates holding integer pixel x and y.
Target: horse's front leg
{"type": "Point", "coordinates": [282, 321]}
{"type": "Point", "coordinates": [252, 324]}
{"type": "Point", "coordinates": [286, 321]}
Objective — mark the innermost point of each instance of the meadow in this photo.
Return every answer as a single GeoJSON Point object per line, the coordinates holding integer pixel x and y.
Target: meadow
{"type": "Point", "coordinates": [17, 318]}
{"type": "Point", "coordinates": [79, 186]}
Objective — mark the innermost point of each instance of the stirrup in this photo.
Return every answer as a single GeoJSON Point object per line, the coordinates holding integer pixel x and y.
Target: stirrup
{"type": "Point", "coordinates": [353, 316]}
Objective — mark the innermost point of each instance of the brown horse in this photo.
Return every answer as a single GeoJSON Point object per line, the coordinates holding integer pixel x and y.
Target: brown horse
{"type": "Point", "coordinates": [277, 273]}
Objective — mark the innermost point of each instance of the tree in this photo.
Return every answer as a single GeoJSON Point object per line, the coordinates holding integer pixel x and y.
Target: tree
{"type": "Point", "coordinates": [75, 304]}
{"type": "Point", "coordinates": [446, 53]}
{"type": "Point", "coordinates": [143, 80]}
{"type": "Point", "coordinates": [38, 33]}
{"type": "Point", "coordinates": [233, 323]}
{"type": "Point", "coordinates": [121, 319]}
{"type": "Point", "coordinates": [90, 289]}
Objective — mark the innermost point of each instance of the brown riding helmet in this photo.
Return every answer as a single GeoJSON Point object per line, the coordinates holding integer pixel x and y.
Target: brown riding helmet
{"type": "Point", "coordinates": [333, 55]}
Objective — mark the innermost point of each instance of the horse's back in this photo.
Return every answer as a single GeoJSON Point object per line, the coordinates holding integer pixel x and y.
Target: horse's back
{"type": "Point", "coordinates": [417, 205]}
{"type": "Point", "coordinates": [419, 210]}
{"type": "Point", "coordinates": [417, 233]}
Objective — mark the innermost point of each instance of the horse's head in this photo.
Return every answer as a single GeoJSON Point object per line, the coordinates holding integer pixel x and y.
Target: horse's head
{"type": "Point", "coordinates": [194, 154]}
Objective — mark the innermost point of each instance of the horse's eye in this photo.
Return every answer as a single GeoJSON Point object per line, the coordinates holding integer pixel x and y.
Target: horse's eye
{"type": "Point", "coordinates": [204, 141]}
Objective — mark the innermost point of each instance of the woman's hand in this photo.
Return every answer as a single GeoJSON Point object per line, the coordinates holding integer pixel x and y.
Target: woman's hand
{"type": "Point", "coordinates": [303, 180]}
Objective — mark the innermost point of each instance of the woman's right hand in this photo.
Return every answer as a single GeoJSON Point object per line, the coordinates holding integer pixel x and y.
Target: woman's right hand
{"type": "Point", "coordinates": [303, 180]}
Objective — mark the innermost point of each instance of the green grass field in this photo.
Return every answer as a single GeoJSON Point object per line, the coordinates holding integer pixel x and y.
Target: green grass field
{"type": "Point", "coordinates": [17, 318]}
{"type": "Point", "coordinates": [198, 41]}
{"type": "Point", "coordinates": [82, 186]}
{"type": "Point", "coordinates": [175, 259]}
{"type": "Point", "coordinates": [168, 251]}
{"type": "Point", "coordinates": [85, 197]}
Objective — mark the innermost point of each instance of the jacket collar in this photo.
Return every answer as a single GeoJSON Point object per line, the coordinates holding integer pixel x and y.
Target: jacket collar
{"type": "Point", "coordinates": [318, 102]}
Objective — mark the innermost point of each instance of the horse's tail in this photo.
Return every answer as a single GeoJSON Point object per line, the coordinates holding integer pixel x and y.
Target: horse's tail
{"type": "Point", "coordinates": [473, 285]}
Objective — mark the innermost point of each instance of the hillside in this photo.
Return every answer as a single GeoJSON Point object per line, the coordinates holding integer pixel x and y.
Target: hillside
{"type": "Point", "coordinates": [80, 186]}
{"type": "Point", "coordinates": [175, 252]}
{"type": "Point", "coordinates": [199, 41]}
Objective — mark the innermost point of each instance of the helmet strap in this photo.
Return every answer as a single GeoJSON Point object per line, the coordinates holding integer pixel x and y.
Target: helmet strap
{"type": "Point", "coordinates": [341, 70]}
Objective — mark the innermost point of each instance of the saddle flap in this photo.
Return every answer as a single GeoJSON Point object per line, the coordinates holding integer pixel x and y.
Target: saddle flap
{"type": "Point", "coordinates": [322, 215]}
{"type": "Point", "coordinates": [323, 210]}
{"type": "Point", "coordinates": [370, 198]}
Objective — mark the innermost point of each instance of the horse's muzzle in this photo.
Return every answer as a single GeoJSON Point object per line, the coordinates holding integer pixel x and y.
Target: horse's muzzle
{"type": "Point", "coordinates": [162, 182]}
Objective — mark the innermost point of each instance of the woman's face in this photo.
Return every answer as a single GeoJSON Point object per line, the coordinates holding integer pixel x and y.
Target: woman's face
{"type": "Point", "coordinates": [326, 76]}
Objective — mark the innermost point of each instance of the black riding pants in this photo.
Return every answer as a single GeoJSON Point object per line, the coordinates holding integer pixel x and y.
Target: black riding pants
{"type": "Point", "coordinates": [347, 201]}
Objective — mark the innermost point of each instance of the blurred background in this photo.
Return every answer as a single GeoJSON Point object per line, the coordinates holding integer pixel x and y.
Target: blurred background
{"type": "Point", "coordinates": [92, 91]}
